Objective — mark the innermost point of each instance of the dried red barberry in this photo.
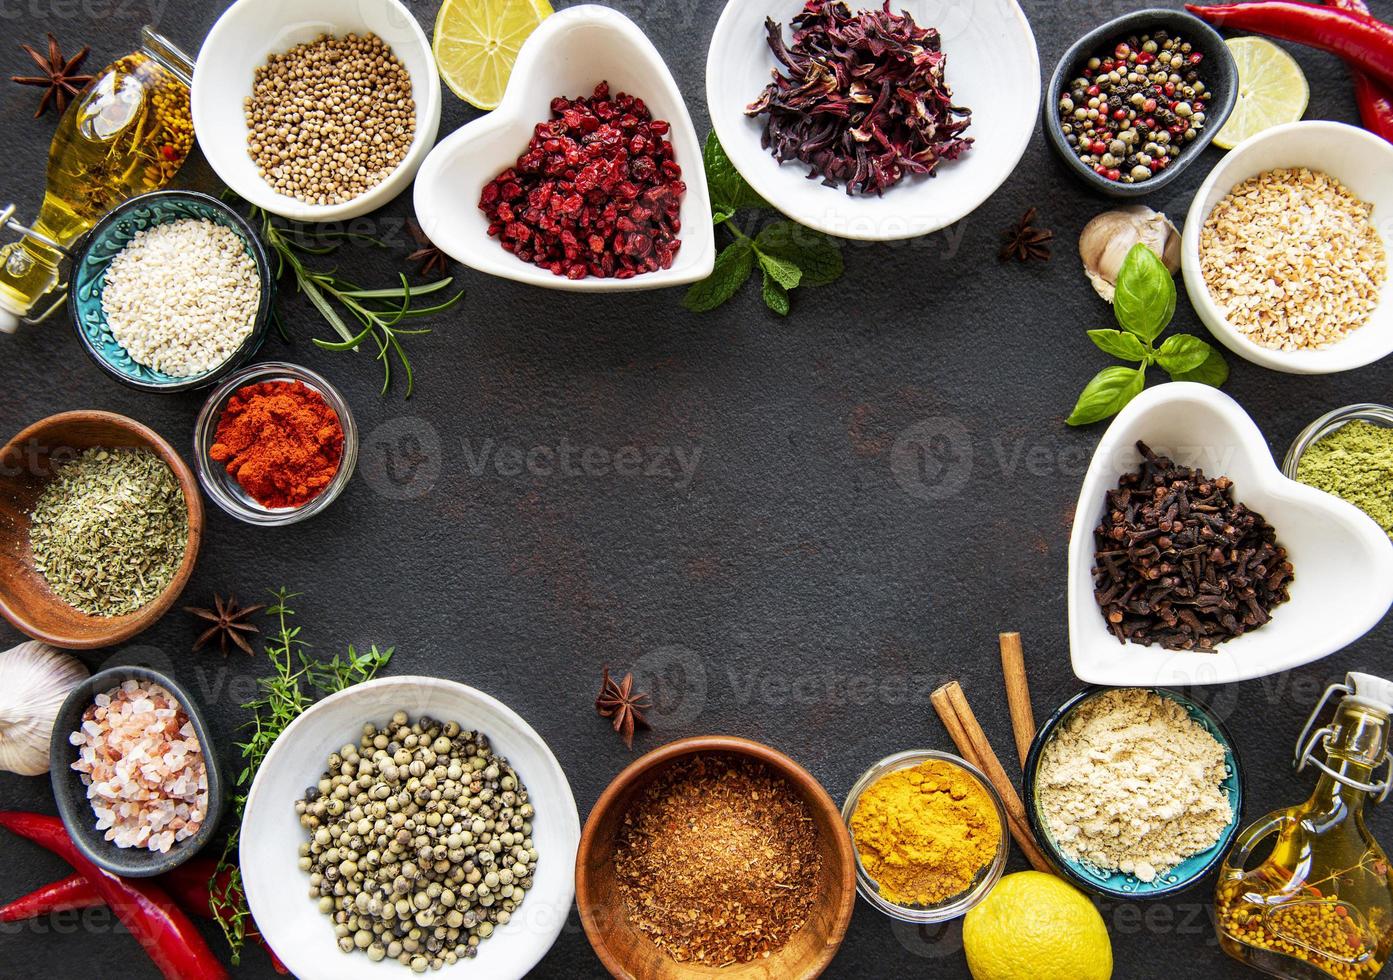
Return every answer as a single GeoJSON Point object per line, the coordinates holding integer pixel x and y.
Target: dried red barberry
{"type": "Point", "coordinates": [597, 192]}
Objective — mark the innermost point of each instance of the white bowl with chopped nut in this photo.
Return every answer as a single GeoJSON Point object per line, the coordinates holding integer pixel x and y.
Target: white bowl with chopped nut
{"type": "Point", "coordinates": [265, 90]}
{"type": "Point", "coordinates": [1286, 249]}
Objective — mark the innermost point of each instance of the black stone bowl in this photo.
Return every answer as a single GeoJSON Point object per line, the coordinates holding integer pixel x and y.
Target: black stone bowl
{"type": "Point", "coordinates": [1218, 71]}
{"type": "Point", "coordinates": [71, 793]}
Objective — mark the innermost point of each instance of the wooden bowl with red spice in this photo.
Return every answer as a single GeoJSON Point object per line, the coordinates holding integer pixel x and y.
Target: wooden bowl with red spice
{"type": "Point", "coordinates": [746, 811]}
{"type": "Point", "coordinates": [27, 465]}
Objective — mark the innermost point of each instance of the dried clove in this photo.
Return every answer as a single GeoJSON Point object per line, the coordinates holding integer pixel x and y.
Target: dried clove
{"type": "Point", "coordinates": [1180, 564]}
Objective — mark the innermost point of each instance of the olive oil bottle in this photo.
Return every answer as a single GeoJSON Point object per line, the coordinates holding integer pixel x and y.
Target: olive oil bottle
{"type": "Point", "coordinates": [1321, 904]}
{"type": "Point", "coordinates": [128, 133]}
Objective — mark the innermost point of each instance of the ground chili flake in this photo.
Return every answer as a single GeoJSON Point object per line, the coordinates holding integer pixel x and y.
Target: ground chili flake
{"type": "Point", "coordinates": [281, 441]}
{"type": "Point", "coordinates": [718, 861]}
{"type": "Point", "coordinates": [596, 193]}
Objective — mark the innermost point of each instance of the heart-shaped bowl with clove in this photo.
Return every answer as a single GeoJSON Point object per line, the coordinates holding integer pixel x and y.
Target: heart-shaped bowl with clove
{"type": "Point", "coordinates": [570, 53]}
{"type": "Point", "coordinates": [1342, 583]}
{"type": "Point", "coordinates": [992, 66]}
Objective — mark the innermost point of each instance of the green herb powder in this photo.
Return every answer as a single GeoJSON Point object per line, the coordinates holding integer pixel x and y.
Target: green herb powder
{"type": "Point", "coordinates": [1354, 462]}
{"type": "Point", "coordinates": [109, 531]}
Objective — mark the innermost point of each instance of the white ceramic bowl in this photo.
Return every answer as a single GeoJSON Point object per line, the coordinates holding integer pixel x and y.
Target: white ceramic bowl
{"type": "Point", "coordinates": [1343, 582]}
{"type": "Point", "coordinates": [993, 69]}
{"type": "Point", "coordinates": [277, 890]}
{"type": "Point", "coordinates": [568, 55]}
{"type": "Point", "coordinates": [247, 34]}
{"type": "Point", "coordinates": [1362, 162]}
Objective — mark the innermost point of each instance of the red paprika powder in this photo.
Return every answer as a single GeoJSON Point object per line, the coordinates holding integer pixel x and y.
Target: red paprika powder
{"type": "Point", "coordinates": [281, 441]}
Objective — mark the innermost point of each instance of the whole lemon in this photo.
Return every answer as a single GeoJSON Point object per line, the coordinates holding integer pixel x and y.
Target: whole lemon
{"type": "Point", "coordinates": [1035, 926]}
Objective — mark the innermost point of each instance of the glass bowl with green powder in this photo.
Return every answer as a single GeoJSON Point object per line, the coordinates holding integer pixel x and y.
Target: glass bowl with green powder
{"type": "Point", "coordinates": [100, 524]}
{"type": "Point", "coordinates": [1349, 453]}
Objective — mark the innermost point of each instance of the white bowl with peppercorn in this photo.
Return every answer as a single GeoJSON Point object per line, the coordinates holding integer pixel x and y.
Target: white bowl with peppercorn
{"type": "Point", "coordinates": [570, 185]}
{"type": "Point", "coordinates": [264, 77]}
{"type": "Point", "coordinates": [275, 846]}
{"type": "Point", "coordinates": [1338, 586]}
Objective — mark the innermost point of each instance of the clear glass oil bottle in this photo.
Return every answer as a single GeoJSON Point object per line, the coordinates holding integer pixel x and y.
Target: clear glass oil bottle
{"type": "Point", "coordinates": [128, 133]}
{"type": "Point", "coordinates": [1321, 904]}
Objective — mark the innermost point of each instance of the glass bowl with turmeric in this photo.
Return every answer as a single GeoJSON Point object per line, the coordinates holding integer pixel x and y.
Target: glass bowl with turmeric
{"type": "Point", "coordinates": [1349, 453]}
{"type": "Point", "coordinates": [275, 444]}
{"type": "Point", "coordinates": [929, 832]}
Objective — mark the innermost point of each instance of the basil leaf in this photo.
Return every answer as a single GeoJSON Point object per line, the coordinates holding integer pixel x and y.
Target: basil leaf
{"type": "Point", "coordinates": [1119, 344]}
{"type": "Point", "coordinates": [1213, 372]}
{"type": "Point", "coordinates": [1145, 300]}
{"type": "Point", "coordinates": [1107, 394]}
{"type": "Point", "coordinates": [816, 254]}
{"type": "Point", "coordinates": [729, 191]}
{"type": "Point", "coordinates": [785, 273]}
{"type": "Point", "coordinates": [1183, 353]}
{"type": "Point", "coordinates": [720, 216]}
{"type": "Point", "coordinates": [775, 295]}
{"type": "Point", "coordinates": [733, 268]}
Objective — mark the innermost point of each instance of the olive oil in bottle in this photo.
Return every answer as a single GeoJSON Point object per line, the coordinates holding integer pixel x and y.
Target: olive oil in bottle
{"type": "Point", "coordinates": [1321, 904]}
{"type": "Point", "coordinates": [128, 133]}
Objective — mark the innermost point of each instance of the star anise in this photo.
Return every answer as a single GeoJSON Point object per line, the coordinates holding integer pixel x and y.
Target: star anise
{"type": "Point", "coordinates": [229, 624]}
{"type": "Point", "coordinates": [620, 702]}
{"type": "Point", "coordinates": [433, 260]}
{"type": "Point", "coordinates": [1025, 242]}
{"type": "Point", "coordinates": [59, 76]}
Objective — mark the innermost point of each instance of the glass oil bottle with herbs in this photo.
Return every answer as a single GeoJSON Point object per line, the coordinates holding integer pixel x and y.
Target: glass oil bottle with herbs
{"type": "Point", "coordinates": [128, 133]}
{"type": "Point", "coordinates": [1321, 904]}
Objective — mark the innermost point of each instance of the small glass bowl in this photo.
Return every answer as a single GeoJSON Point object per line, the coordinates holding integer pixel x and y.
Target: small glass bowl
{"type": "Point", "coordinates": [1328, 423]}
{"type": "Point", "coordinates": [224, 489]}
{"type": "Point", "coordinates": [986, 879]}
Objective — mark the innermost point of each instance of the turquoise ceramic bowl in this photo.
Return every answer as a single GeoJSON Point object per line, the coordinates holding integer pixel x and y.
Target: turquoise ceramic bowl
{"type": "Point", "coordinates": [106, 240]}
{"type": "Point", "coordinates": [1112, 884]}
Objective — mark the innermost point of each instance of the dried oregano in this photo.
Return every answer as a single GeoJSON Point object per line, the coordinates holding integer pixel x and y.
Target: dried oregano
{"type": "Point", "coordinates": [109, 531]}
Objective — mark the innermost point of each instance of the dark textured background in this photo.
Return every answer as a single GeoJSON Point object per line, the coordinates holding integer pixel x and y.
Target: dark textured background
{"type": "Point", "coordinates": [809, 587]}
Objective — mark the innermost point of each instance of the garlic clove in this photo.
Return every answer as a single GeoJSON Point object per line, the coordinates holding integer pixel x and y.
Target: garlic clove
{"type": "Point", "coordinates": [35, 679]}
{"type": "Point", "coordinates": [1106, 240]}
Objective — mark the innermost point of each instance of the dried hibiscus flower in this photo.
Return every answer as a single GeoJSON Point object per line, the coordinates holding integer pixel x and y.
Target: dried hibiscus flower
{"type": "Point", "coordinates": [864, 101]}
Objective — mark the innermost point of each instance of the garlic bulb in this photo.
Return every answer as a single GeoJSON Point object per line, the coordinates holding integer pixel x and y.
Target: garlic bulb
{"type": "Point", "coordinates": [34, 680]}
{"type": "Point", "coordinates": [1108, 238]}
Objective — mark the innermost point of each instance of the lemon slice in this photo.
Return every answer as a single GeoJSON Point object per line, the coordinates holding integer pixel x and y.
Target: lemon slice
{"type": "Point", "coordinates": [1272, 90]}
{"type": "Point", "coordinates": [477, 42]}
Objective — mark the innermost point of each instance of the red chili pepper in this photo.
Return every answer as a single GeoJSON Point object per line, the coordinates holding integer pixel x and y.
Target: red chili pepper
{"type": "Point", "coordinates": [143, 907]}
{"type": "Point", "coordinates": [61, 896]}
{"type": "Point", "coordinates": [1362, 41]}
{"type": "Point", "coordinates": [1375, 100]}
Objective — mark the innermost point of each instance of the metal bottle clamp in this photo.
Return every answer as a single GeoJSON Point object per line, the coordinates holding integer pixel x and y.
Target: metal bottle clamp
{"type": "Point", "coordinates": [7, 220]}
{"type": "Point", "coordinates": [1312, 737]}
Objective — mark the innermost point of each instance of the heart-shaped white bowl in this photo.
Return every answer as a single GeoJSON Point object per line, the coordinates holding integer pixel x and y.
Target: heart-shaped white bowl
{"type": "Point", "coordinates": [1343, 583]}
{"type": "Point", "coordinates": [1358, 159]}
{"type": "Point", "coordinates": [277, 890]}
{"type": "Point", "coordinates": [247, 34]}
{"type": "Point", "coordinates": [568, 55]}
{"type": "Point", "coordinates": [993, 68]}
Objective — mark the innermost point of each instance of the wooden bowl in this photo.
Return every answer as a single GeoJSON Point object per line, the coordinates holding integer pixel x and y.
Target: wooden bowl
{"type": "Point", "coordinates": [26, 466]}
{"type": "Point", "coordinates": [628, 954]}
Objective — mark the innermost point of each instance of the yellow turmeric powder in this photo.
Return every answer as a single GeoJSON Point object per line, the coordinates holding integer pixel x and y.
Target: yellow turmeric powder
{"type": "Point", "coordinates": [924, 833]}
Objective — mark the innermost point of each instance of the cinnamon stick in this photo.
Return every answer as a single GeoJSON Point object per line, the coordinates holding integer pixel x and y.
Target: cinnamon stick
{"type": "Point", "coordinates": [951, 704]}
{"type": "Point", "coordinates": [1018, 694]}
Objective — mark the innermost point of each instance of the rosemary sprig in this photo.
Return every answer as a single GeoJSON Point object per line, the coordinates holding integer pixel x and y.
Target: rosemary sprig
{"type": "Point", "coordinates": [295, 683]}
{"type": "Point", "coordinates": [379, 313]}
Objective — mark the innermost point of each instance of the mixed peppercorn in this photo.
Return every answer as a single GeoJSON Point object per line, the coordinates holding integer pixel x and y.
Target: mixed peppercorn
{"type": "Point", "coordinates": [596, 193]}
{"type": "Point", "coordinates": [1133, 109]}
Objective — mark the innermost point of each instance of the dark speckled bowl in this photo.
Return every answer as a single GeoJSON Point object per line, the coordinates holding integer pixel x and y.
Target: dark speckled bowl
{"type": "Point", "coordinates": [71, 794]}
{"type": "Point", "coordinates": [1218, 72]}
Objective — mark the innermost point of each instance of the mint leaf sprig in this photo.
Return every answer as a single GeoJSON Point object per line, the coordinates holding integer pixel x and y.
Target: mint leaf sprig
{"type": "Point", "coordinates": [787, 254]}
{"type": "Point", "coordinates": [1144, 307]}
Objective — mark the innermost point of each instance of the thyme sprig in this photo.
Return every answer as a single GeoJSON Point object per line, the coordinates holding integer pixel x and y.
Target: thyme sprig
{"type": "Point", "coordinates": [296, 682]}
{"type": "Point", "coordinates": [379, 313]}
